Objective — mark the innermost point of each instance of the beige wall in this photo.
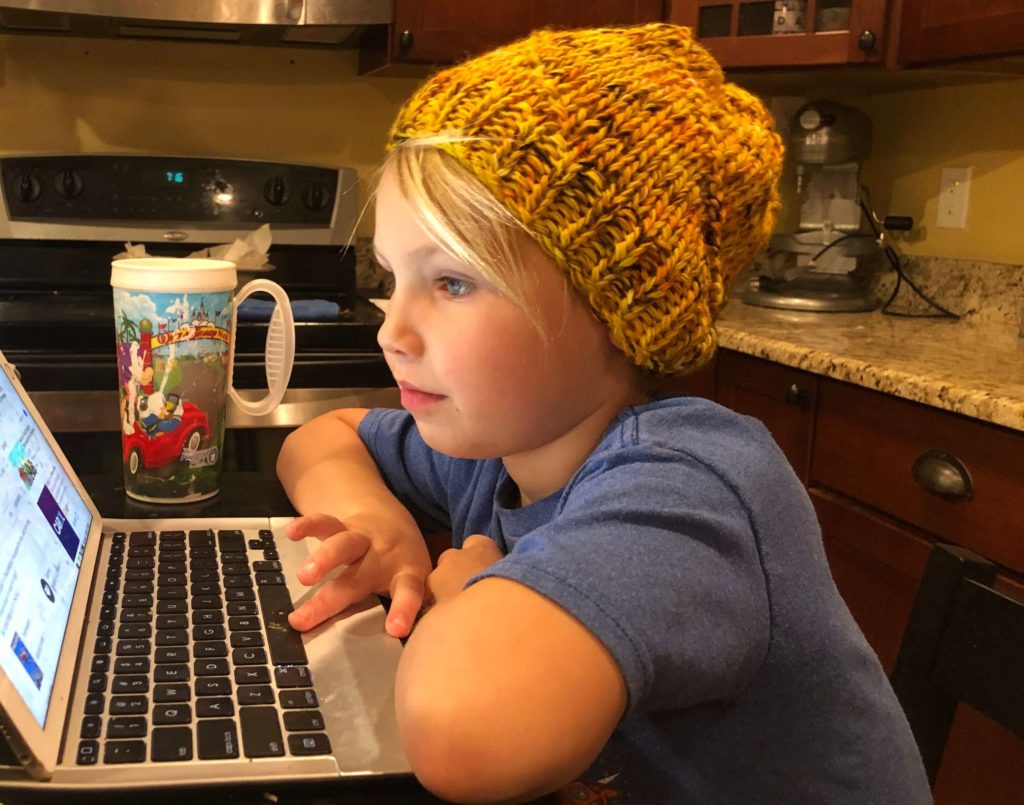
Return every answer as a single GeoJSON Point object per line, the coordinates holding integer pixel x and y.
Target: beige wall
{"type": "Point", "coordinates": [64, 94]}
{"type": "Point", "coordinates": [105, 96]}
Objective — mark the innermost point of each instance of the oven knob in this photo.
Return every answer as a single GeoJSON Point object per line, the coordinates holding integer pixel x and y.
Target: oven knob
{"type": "Point", "coordinates": [276, 191]}
{"type": "Point", "coordinates": [68, 184]}
{"type": "Point", "coordinates": [28, 188]}
{"type": "Point", "coordinates": [316, 196]}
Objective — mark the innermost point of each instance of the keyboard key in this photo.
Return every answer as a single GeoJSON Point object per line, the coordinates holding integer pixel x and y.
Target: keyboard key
{"type": "Point", "coordinates": [118, 537]}
{"type": "Point", "coordinates": [231, 540]}
{"type": "Point", "coordinates": [130, 684]}
{"type": "Point", "coordinates": [88, 753]}
{"type": "Point", "coordinates": [111, 585]}
{"type": "Point", "coordinates": [124, 751]}
{"type": "Point", "coordinates": [263, 566]}
{"type": "Point", "coordinates": [170, 592]}
{"type": "Point", "coordinates": [200, 563]}
{"type": "Point", "coordinates": [270, 553]}
{"type": "Point", "coordinates": [303, 721]}
{"type": "Point", "coordinates": [139, 574]}
{"type": "Point", "coordinates": [213, 686]}
{"type": "Point", "coordinates": [211, 667]}
{"type": "Point", "coordinates": [293, 676]}
{"type": "Point", "coordinates": [132, 631]}
{"type": "Point", "coordinates": [255, 694]}
{"type": "Point", "coordinates": [172, 713]}
{"type": "Point", "coordinates": [207, 602]}
{"type": "Point", "coordinates": [143, 616]}
{"type": "Point", "coordinates": [171, 606]}
{"type": "Point", "coordinates": [243, 624]}
{"type": "Point", "coordinates": [105, 628]}
{"type": "Point", "coordinates": [172, 654]}
{"type": "Point", "coordinates": [296, 698]}
{"type": "Point", "coordinates": [171, 581]}
{"type": "Point", "coordinates": [212, 648]}
{"type": "Point", "coordinates": [205, 616]}
{"type": "Point", "coordinates": [170, 744]}
{"type": "Point", "coordinates": [246, 639]}
{"type": "Point", "coordinates": [110, 598]}
{"type": "Point", "coordinates": [269, 578]}
{"type": "Point", "coordinates": [131, 665]}
{"type": "Point", "coordinates": [141, 550]}
{"type": "Point", "coordinates": [261, 732]}
{"type": "Point", "coordinates": [252, 675]}
{"type": "Point", "coordinates": [284, 642]}
{"type": "Point", "coordinates": [249, 656]}
{"type": "Point", "coordinates": [309, 743]}
{"type": "Point", "coordinates": [100, 662]}
{"type": "Point", "coordinates": [91, 726]}
{"type": "Point", "coordinates": [132, 601]}
{"type": "Point", "coordinates": [172, 637]}
{"type": "Point", "coordinates": [140, 562]}
{"type": "Point", "coordinates": [235, 568]}
{"type": "Point", "coordinates": [204, 588]}
{"type": "Point", "coordinates": [133, 705]}
{"type": "Point", "coordinates": [107, 613]}
{"type": "Point", "coordinates": [239, 594]}
{"type": "Point", "coordinates": [171, 692]}
{"type": "Point", "coordinates": [142, 538]}
{"type": "Point", "coordinates": [217, 739]}
{"type": "Point", "coordinates": [241, 608]}
{"type": "Point", "coordinates": [126, 727]}
{"type": "Point", "coordinates": [132, 648]}
{"type": "Point", "coordinates": [97, 682]}
{"type": "Point", "coordinates": [172, 537]}
{"type": "Point", "coordinates": [211, 631]}
{"type": "Point", "coordinates": [202, 536]}
{"type": "Point", "coordinates": [138, 587]}
{"type": "Point", "coordinates": [101, 645]}
{"type": "Point", "coordinates": [172, 621]}
{"type": "Point", "coordinates": [176, 568]}
{"type": "Point", "coordinates": [209, 706]}
{"type": "Point", "coordinates": [171, 673]}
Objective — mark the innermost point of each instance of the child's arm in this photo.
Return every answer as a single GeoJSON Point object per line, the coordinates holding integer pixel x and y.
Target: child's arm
{"type": "Point", "coordinates": [503, 696]}
{"type": "Point", "coordinates": [329, 475]}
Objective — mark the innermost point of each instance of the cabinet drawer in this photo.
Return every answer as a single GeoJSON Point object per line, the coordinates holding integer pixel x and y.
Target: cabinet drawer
{"type": "Point", "coordinates": [866, 444]}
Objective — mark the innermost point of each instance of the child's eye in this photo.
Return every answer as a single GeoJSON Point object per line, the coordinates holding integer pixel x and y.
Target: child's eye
{"type": "Point", "coordinates": [455, 287]}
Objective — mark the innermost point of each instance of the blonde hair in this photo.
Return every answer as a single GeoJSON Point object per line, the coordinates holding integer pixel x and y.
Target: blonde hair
{"type": "Point", "coordinates": [465, 219]}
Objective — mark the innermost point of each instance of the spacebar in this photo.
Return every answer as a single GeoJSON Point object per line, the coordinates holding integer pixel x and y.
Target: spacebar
{"type": "Point", "coordinates": [284, 642]}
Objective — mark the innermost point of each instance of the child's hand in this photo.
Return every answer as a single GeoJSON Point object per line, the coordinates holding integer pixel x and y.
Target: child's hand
{"type": "Point", "coordinates": [456, 566]}
{"type": "Point", "coordinates": [376, 559]}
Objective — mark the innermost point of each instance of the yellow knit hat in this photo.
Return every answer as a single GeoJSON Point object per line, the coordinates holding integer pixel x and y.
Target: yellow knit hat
{"type": "Point", "coordinates": [645, 176]}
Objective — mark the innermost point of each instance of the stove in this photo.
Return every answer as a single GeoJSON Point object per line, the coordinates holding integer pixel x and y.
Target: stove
{"type": "Point", "coordinates": [62, 220]}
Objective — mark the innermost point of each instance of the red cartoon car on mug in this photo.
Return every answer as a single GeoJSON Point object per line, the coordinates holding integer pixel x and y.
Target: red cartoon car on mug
{"type": "Point", "coordinates": [165, 434]}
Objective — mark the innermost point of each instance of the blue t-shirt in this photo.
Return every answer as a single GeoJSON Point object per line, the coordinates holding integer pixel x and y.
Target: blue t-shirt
{"type": "Point", "coordinates": [688, 546]}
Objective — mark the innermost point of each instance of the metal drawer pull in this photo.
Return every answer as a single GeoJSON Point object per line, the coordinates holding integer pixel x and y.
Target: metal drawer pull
{"type": "Point", "coordinates": [944, 474]}
{"type": "Point", "coordinates": [795, 395]}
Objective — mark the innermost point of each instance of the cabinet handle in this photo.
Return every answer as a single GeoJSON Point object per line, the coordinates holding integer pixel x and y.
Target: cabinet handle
{"type": "Point", "coordinates": [795, 395]}
{"type": "Point", "coordinates": [866, 41]}
{"type": "Point", "coordinates": [943, 474]}
{"type": "Point", "coordinates": [406, 40]}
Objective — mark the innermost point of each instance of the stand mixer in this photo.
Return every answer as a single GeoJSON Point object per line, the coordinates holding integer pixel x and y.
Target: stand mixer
{"type": "Point", "coordinates": [819, 267]}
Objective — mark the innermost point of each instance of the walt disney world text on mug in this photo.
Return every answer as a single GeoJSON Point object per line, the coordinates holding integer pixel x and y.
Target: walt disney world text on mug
{"type": "Point", "coordinates": [175, 321]}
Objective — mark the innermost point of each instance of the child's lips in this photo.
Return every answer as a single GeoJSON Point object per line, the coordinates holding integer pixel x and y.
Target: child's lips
{"type": "Point", "coordinates": [414, 399]}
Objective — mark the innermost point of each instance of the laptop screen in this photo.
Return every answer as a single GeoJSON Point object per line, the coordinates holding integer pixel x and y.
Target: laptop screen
{"type": "Point", "coordinates": [45, 525]}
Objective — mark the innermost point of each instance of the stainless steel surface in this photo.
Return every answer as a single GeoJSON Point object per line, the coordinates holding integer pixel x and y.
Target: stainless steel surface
{"type": "Point", "coordinates": [820, 293]}
{"type": "Point", "coordinates": [97, 411]}
{"type": "Point", "coordinates": [827, 133]}
{"type": "Point", "coordinates": [291, 22]}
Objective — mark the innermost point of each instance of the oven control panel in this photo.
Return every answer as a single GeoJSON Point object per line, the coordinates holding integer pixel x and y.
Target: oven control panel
{"type": "Point", "coordinates": [180, 189]}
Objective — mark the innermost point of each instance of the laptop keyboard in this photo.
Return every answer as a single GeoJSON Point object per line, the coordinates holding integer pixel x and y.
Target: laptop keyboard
{"type": "Point", "coordinates": [193, 656]}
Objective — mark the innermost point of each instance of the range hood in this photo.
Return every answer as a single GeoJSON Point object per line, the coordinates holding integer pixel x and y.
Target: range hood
{"type": "Point", "coordinates": [325, 23]}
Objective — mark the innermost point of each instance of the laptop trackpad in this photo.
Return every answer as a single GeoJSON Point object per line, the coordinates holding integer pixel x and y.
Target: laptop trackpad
{"type": "Point", "coordinates": [353, 663]}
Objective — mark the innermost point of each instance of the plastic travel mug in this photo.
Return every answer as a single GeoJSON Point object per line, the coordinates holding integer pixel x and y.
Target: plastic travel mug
{"type": "Point", "coordinates": [175, 324]}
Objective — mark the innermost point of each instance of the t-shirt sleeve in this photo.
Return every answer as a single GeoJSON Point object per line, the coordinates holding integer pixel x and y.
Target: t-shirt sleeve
{"type": "Point", "coordinates": [415, 474]}
{"type": "Point", "coordinates": [657, 557]}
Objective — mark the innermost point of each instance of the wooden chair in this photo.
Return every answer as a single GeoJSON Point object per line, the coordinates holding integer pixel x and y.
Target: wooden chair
{"type": "Point", "coordinates": [964, 643]}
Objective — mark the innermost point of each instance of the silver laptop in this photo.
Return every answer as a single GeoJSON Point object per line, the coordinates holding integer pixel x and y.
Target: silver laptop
{"type": "Point", "coordinates": [145, 653]}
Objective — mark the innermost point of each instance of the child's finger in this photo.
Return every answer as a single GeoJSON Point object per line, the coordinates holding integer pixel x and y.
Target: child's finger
{"type": "Point", "coordinates": [329, 600]}
{"type": "Point", "coordinates": [345, 548]}
{"type": "Point", "coordinates": [406, 600]}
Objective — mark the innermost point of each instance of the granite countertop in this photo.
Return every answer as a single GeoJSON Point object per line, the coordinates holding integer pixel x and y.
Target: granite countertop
{"type": "Point", "coordinates": [974, 369]}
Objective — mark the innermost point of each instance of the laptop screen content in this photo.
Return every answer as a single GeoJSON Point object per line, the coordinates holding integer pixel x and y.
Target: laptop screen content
{"type": "Point", "coordinates": [45, 525]}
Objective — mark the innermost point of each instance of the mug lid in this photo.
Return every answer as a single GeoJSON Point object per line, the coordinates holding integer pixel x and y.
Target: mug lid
{"type": "Point", "coordinates": [172, 274]}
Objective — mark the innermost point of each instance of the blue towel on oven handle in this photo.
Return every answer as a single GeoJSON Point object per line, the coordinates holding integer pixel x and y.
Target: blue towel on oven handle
{"type": "Point", "coordinates": [302, 310]}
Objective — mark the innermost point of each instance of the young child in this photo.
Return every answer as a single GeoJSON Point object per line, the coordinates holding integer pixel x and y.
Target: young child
{"type": "Point", "coordinates": [637, 607]}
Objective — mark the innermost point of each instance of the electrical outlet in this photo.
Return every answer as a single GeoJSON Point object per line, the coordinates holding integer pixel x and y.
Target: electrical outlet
{"type": "Point", "coordinates": [954, 191]}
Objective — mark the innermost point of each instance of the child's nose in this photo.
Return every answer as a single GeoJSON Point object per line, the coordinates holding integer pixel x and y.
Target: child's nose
{"type": "Point", "coordinates": [398, 335]}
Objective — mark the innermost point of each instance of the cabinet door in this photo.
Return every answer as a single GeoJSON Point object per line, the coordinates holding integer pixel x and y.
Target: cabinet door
{"type": "Point", "coordinates": [739, 33]}
{"type": "Point", "coordinates": [781, 397]}
{"type": "Point", "coordinates": [447, 31]}
{"type": "Point", "coordinates": [939, 30]}
{"type": "Point", "coordinates": [877, 568]}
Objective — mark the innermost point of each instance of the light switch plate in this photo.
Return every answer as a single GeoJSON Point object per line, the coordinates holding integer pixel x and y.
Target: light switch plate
{"type": "Point", "coordinates": [954, 191]}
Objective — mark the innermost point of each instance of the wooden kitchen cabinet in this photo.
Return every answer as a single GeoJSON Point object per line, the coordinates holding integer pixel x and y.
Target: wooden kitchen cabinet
{"type": "Point", "coordinates": [855, 449]}
{"type": "Point", "coordinates": [437, 32]}
{"type": "Point", "coordinates": [939, 30]}
{"type": "Point", "coordinates": [739, 32]}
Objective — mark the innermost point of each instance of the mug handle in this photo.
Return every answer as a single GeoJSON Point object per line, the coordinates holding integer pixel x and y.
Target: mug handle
{"type": "Point", "coordinates": [280, 351]}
